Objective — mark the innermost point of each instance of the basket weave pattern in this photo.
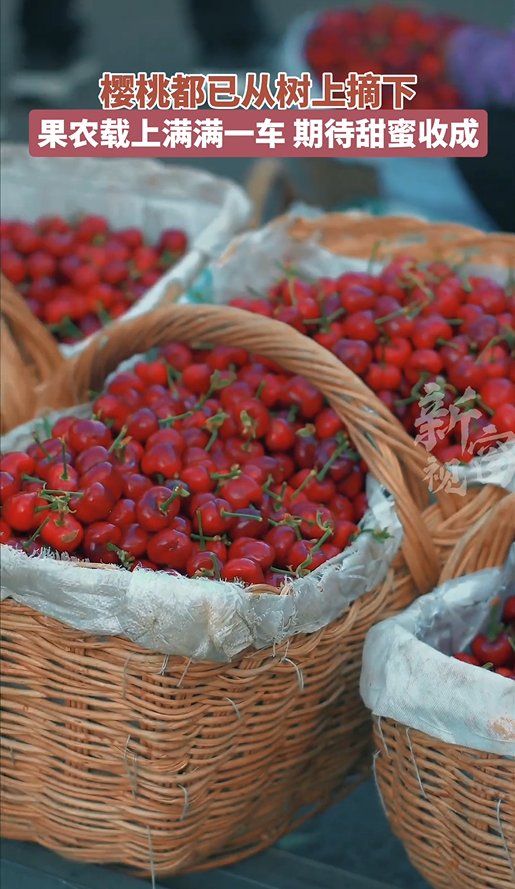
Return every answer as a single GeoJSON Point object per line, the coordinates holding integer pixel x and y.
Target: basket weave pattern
{"type": "Point", "coordinates": [452, 807]}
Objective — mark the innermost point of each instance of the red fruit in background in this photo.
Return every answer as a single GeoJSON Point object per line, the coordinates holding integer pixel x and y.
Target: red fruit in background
{"type": "Point", "coordinates": [496, 393]}
{"type": "Point", "coordinates": [145, 258]}
{"type": "Point", "coordinates": [130, 237]}
{"type": "Point", "coordinates": [115, 272]}
{"type": "Point", "coordinates": [84, 278]}
{"type": "Point", "coordinates": [467, 659]}
{"type": "Point", "coordinates": [5, 532]}
{"type": "Point", "coordinates": [509, 610]}
{"type": "Point", "coordinates": [40, 265]}
{"type": "Point", "coordinates": [13, 267]}
{"type": "Point", "coordinates": [173, 241]}
{"type": "Point", "coordinates": [91, 227]}
{"type": "Point", "coordinates": [58, 244]}
{"type": "Point", "coordinates": [142, 424]}
{"type": "Point", "coordinates": [24, 239]}
{"type": "Point", "coordinates": [422, 361]}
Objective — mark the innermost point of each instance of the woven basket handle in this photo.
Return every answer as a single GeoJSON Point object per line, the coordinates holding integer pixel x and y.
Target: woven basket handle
{"type": "Point", "coordinates": [29, 356]}
{"type": "Point", "coordinates": [382, 442]}
{"type": "Point", "coordinates": [486, 544]}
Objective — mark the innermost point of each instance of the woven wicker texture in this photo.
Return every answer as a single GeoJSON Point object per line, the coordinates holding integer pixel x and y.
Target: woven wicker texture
{"type": "Point", "coordinates": [28, 356]}
{"type": "Point", "coordinates": [454, 808]}
{"type": "Point", "coordinates": [362, 236]}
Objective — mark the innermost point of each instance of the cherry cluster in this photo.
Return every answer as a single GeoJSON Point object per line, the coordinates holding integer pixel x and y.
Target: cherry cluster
{"type": "Point", "coordinates": [408, 327]}
{"type": "Point", "coordinates": [495, 649]}
{"type": "Point", "coordinates": [208, 462]}
{"type": "Point", "coordinates": [77, 278]}
{"type": "Point", "coordinates": [386, 39]}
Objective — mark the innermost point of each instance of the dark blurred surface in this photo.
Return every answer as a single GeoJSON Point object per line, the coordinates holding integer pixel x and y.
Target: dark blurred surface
{"type": "Point", "coordinates": [492, 178]}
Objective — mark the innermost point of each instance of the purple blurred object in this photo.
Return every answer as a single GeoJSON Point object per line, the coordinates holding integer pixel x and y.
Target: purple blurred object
{"type": "Point", "coordinates": [482, 65]}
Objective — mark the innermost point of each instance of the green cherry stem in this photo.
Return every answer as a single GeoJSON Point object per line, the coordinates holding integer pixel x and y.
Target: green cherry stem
{"type": "Point", "coordinates": [118, 440]}
{"type": "Point", "coordinates": [36, 534]}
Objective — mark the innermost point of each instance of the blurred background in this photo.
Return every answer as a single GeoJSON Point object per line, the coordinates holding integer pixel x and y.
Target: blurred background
{"type": "Point", "coordinates": [212, 35]}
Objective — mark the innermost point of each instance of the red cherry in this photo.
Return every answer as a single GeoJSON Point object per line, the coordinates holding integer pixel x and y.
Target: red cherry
{"type": "Point", "coordinates": [243, 570]}
{"type": "Point", "coordinates": [5, 532]}
{"type": "Point", "coordinates": [13, 267]}
{"type": "Point", "coordinates": [157, 507]}
{"type": "Point", "coordinates": [100, 541]}
{"type": "Point", "coordinates": [24, 238]}
{"type": "Point", "coordinates": [123, 513]}
{"type": "Point", "coordinates": [85, 434]}
{"type": "Point", "coordinates": [496, 393]}
{"type": "Point", "coordinates": [356, 354]}
{"type": "Point", "coordinates": [509, 610]}
{"type": "Point", "coordinates": [467, 659]}
{"type": "Point", "coordinates": [91, 457]}
{"type": "Point", "coordinates": [9, 485]}
{"type": "Point", "coordinates": [170, 547]}
{"type": "Point", "coordinates": [108, 475]}
{"type": "Point", "coordinates": [17, 463]}
{"type": "Point", "coordinates": [40, 265]}
{"type": "Point", "coordinates": [241, 492]}
{"type": "Point", "coordinates": [281, 435]}
{"type": "Point", "coordinates": [498, 651]}
{"type": "Point", "coordinates": [95, 504]}
{"type": "Point", "coordinates": [204, 563]}
{"type": "Point", "coordinates": [250, 522]}
{"type": "Point", "coordinates": [161, 459]}
{"type": "Point", "coordinates": [18, 511]}
{"type": "Point", "coordinates": [258, 551]}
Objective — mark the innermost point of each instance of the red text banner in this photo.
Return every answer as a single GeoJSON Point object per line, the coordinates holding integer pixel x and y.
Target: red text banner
{"type": "Point", "coordinates": [249, 133]}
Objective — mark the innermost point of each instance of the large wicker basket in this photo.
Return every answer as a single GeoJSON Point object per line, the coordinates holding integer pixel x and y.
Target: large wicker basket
{"type": "Point", "coordinates": [111, 753]}
{"type": "Point", "coordinates": [452, 807]}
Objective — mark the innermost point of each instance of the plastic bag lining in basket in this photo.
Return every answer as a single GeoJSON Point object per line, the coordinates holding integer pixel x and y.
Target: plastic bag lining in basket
{"type": "Point", "coordinates": [131, 192]}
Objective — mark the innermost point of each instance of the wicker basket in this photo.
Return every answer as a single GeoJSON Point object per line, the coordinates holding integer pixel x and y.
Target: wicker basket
{"type": "Point", "coordinates": [111, 753]}
{"type": "Point", "coordinates": [453, 808]}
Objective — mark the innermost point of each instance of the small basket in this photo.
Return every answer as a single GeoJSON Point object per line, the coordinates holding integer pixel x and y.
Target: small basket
{"type": "Point", "coordinates": [452, 807]}
{"type": "Point", "coordinates": [112, 753]}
